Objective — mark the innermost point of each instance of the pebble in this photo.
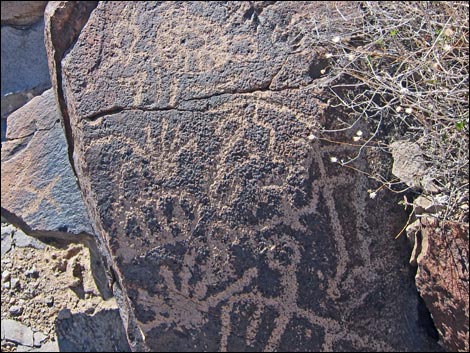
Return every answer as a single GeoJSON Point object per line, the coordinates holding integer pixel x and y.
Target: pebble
{"type": "Point", "coordinates": [32, 272]}
{"type": "Point", "coordinates": [15, 283]}
{"type": "Point", "coordinates": [49, 301]}
{"type": "Point", "coordinates": [15, 310]}
{"type": "Point", "coordinates": [6, 276]}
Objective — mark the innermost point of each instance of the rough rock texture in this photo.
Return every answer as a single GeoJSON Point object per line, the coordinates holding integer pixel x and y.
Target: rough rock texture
{"type": "Point", "coordinates": [410, 167]}
{"type": "Point", "coordinates": [101, 332]}
{"type": "Point", "coordinates": [24, 60]}
{"type": "Point", "coordinates": [229, 228]}
{"type": "Point", "coordinates": [442, 280]}
{"type": "Point", "coordinates": [39, 190]}
{"type": "Point", "coordinates": [16, 332]}
{"type": "Point", "coordinates": [22, 13]}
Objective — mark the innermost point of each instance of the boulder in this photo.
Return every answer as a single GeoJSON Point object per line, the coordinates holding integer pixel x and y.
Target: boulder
{"type": "Point", "coordinates": [39, 189]}
{"type": "Point", "coordinates": [228, 226]}
{"type": "Point", "coordinates": [442, 280]}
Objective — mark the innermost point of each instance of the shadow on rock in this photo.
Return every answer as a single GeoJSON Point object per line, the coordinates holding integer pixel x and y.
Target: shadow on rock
{"type": "Point", "coordinates": [101, 332]}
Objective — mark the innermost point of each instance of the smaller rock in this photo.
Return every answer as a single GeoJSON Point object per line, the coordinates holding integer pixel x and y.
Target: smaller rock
{"type": "Point", "coordinates": [15, 310]}
{"type": "Point", "coordinates": [12, 301]}
{"type": "Point", "coordinates": [410, 167]}
{"type": "Point", "coordinates": [39, 337]}
{"type": "Point", "coordinates": [49, 301]}
{"type": "Point", "coordinates": [6, 243]}
{"type": "Point", "coordinates": [15, 283]}
{"type": "Point", "coordinates": [32, 272]}
{"type": "Point", "coordinates": [6, 285]}
{"type": "Point", "coordinates": [16, 332]}
{"type": "Point", "coordinates": [22, 240]}
{"type": "Point", "coordinates": [6, 276]}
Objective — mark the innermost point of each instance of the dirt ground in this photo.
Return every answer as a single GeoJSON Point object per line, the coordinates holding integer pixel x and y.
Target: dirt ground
{"type": "Point", "coordinates": [39, 284]}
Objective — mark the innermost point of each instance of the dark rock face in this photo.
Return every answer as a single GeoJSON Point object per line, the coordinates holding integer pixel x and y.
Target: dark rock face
{"type": "Point", "coordinates": [442, 280]}
{"type": "Point", "coordinates": [39, 189]}
{"type": "Point", "coordinates": [229, 227]}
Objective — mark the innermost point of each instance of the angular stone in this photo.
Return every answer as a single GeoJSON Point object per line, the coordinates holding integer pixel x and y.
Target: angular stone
{"type": "Point", "coordinates": [15, 310]}
{"type": "Point", "coordinates": [24, 60]}
{"type": "Point", "coordinates": [22, 13]}
{"type": "Point", "coordinates": [15, 331]}
{"type": "Point", "coordinates": [7, 232]}
{"type": "Point", "coordinates": [39, 337]}
{"type": "Point", "coordinates": [442, 280]}
{"type": "Point", "coordinates": [38, 187]}
{"type": "Point", "coordinates": [409, 166]}
{"type": "Point", "coordinates": [101, 332]}
{"type": "Point", "coordinates": [229, 228]}
{"type": "Point", "coordinates": [22, 240]}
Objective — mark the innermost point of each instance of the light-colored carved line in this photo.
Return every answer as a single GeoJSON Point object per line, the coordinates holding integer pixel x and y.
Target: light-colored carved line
{"type": "Point", "coordinates": [225, 326]}
{"type": "Point", "coordinates": [44, 194]}
{"type": "Point", "coordinates": [338, 235]}
{"type": "Point", "coordinates": [253, 325]}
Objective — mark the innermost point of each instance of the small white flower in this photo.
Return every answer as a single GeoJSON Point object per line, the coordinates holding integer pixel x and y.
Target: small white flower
{"type": "Point", "coordinates": [333, 159]}
{"type": "Point", "coordinates": [404, 90]}
{"type": "Point", "coordinates": [336, 39]}
{"type": "Point", "coordinates": [351, 57]}
{"type": "Point", "coordinates": [372, 195]}
{"type": "Point", "coordinates": [447, 47]}
{"type": "Point", "coordinates": [356, 138]}
{"type": "Point", "coordinates": [322, 71]}
{"type": "Point", "coordinates": [408, 110]}
{"type": "Point", "coordinates": [359, 133]}
{"type": "Point", "coordinates": [398, 110]}
{"type": "Point", "coordinates": [328, 55]}
{"type": "Point", "coordinates": [311, 137]}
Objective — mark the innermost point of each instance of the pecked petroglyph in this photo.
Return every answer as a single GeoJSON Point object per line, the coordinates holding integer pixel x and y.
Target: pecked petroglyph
{"type": "Point", "coordinates": [228, 227]}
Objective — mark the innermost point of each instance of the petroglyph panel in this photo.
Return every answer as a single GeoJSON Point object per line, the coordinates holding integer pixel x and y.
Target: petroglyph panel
{"type": "Point", "coordinates": [229, 228]}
